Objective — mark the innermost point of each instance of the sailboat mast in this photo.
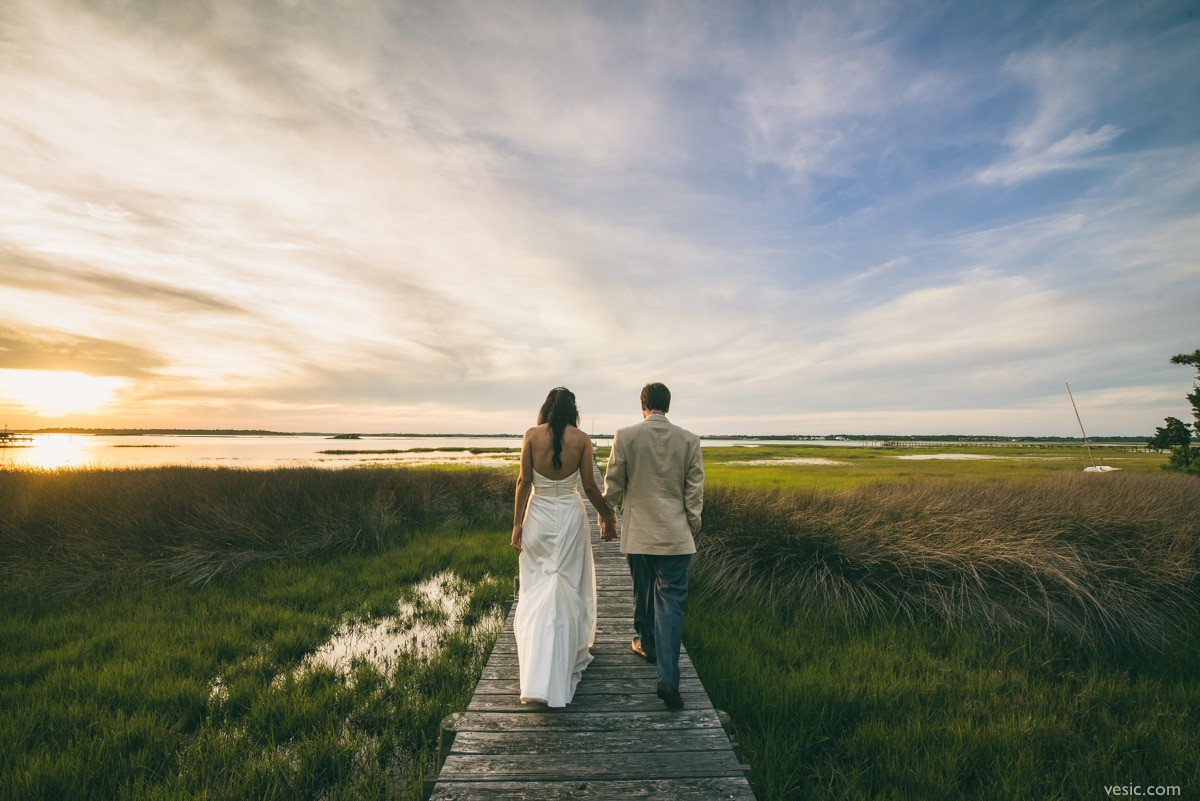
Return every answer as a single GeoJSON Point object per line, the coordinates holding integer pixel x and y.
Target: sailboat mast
{"type": "Point", "coordinates": [1086, 444]}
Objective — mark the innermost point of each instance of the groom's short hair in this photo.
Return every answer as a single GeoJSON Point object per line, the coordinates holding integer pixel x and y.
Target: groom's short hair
{"type": "Point", "coordinates": [656, 396]}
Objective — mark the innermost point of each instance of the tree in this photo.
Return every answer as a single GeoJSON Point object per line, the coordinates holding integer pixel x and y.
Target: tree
{"type": "Point", "coordinates": [1176, 437]}
{"type": "Point", "coordinates": [1193, 396]}
{"type": "Point", "coordinates": [1176, 434]}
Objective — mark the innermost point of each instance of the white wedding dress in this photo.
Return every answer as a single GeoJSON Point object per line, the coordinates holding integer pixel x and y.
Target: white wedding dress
{"type": "Point", "coordinates": [555, 623]}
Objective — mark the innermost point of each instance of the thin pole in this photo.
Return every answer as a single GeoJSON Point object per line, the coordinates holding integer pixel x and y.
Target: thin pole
{"type": "Point", "coordinates": [1086, 444]}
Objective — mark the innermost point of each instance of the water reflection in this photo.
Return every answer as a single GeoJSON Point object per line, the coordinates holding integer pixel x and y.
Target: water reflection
{"type": "Point", "coordinates": [425, 619]}
{"type": "Point", "coordinates": [419, 628]}
{"type": "Point", "coordinates": [69, 451]}
{"type": "Point", "coordinates": [48, 452]}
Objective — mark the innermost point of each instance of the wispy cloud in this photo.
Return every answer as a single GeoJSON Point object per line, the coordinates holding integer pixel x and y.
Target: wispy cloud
{"type": "Point", "coordinates": [1073, 151]}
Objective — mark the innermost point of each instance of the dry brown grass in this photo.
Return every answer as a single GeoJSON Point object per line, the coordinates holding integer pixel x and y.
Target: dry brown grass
{"type": "Point", "coordinates": [1102, 558]}
{"type": "Point", "coordinates": [75, 528]}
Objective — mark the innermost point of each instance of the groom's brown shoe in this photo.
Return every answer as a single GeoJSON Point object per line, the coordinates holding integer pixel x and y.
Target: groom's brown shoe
{"type": "Point", "coordinates": [636, 645]}
{"type": "Point", "coordinates": [670, 696]}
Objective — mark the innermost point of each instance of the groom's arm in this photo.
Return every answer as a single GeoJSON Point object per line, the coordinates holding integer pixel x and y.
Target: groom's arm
{"type": "Point", "coordinates": [693, 486]}
{"type": "Point", "coordinates": [614, 473]}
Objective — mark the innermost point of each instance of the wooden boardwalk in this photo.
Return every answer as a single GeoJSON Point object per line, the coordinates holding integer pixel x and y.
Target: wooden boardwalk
{"type": "Point", "coordinates": [615, 740]}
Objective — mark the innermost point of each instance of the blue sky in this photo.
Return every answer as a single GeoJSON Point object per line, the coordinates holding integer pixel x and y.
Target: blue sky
{"type": "Point", "coordinates": [849, 217]}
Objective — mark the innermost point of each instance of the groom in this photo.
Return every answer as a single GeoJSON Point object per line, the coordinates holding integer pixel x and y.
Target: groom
{"type": "Point", "coordinates": [656, 476]}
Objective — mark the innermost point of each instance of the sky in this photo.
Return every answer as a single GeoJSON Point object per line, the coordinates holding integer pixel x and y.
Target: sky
{"type": "Point", "coordinates": [803, 217]}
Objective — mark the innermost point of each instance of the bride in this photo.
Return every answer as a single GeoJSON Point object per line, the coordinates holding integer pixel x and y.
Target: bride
{"type": "Point", "coordinates": [556, 605]}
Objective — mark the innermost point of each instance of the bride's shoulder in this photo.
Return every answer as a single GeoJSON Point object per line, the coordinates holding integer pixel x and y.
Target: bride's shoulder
{"type": "Point", "coordinates": [535, 434]}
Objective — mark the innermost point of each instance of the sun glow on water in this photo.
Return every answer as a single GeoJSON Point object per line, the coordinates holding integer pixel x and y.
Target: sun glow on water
{"type": "Point", "coordinates": [55, 451]}
{"type": "Point", "coordinates": [55, 393]}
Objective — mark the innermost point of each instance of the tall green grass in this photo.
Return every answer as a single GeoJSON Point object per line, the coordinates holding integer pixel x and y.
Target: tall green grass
{"type": "Point", "coordinates": [1107, 558]}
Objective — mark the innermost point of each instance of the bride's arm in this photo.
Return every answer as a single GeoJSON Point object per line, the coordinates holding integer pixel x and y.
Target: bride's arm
{"type": "Point", "coordinates": [524, 485]}
{"type": "Point", "coordinates": [587, 473]}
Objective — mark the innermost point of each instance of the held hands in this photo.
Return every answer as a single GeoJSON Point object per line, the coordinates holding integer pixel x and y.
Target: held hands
{"type": "Point", "coordinates": [608, 529]}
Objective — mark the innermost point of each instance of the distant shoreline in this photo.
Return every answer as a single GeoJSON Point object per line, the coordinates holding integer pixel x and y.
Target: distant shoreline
{"type": "Point", "coordinates": [254, 432]}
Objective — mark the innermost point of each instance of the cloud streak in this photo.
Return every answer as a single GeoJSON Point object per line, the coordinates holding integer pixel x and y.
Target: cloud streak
{"type": "Point", "coordinates": [50, 350]}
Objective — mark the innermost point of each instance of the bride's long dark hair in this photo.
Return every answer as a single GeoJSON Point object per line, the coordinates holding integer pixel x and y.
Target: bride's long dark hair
{"type": "Point", "coordinates": [559, 411]}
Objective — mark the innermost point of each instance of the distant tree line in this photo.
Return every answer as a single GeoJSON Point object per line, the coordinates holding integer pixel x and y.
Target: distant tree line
{"type": "Point", "coordinates": [968, 438]}
{"type": "Point", "coordinates": [162, 432]}
{"type": "Point", "coordinates": [1176, 435]}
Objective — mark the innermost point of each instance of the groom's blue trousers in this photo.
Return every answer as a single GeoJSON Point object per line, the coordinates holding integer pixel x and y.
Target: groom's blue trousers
{"type": "Point", "coordinates": [660, 585]}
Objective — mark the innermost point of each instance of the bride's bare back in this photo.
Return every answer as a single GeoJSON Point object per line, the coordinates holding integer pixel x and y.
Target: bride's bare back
{"type": "Point", "coordinates": [540, 449]}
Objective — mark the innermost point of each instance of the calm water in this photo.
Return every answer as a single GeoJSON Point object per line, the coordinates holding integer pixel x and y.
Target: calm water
{"type": "Point", "coordinates": [75, 450]}
{"type": "Point", "coordinates": [50, 451]}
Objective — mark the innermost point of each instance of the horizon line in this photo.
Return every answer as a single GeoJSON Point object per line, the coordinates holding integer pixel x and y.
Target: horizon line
{"type": "Point", "coordinates": [114, 431]}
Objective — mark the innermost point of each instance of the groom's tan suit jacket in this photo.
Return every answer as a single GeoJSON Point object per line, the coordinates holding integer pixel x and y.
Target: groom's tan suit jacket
{"type": "Point", "coordinates": [655, 477]}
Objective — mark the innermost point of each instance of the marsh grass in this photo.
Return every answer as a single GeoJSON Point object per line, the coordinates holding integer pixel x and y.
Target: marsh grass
{"type": "Point", "coordinates": [156, 624]}
{"type": "Point", "coordinates": [73, 529]}
{"type": "Point", "coordinates": [1111, 559]}
{"type": "Point", "coordinates": [1031, 638]}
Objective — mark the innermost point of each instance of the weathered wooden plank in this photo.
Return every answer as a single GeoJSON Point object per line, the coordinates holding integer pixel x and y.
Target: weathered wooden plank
{"type": "Point", "coordinates": [632, 701]}
{"type": "Point", "coordinates": [602, 658]}
{"type": "Point", "coordinates": [709, 789]}
{"type": "Point", "coordinates": [554, 721]}
{"type": "Point", "coordinates": [609, 741]}
{"type": "Point", "coordinates": [591, 685]}
{"type": "Point", "coordinates": [618, 645]}
{"type": "Point", "coordinates": [618, 637]}
{"type": "Point", "coordinates": [535, 767]}
{"type": "Point", "coordinates": [500, 668]}
{"type": "Point", "coordinates": [619, 641]}
{"type": "Point", "coordinates": [615, 609]}
{"type": "Point", "coordinates": [611, 630]}
{"type": "Point", "coordinates": [608, 649]}
{"type": "Point", "coordinates": [618, 619]}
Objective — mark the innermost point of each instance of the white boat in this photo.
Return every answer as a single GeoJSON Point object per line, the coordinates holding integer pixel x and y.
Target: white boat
{"type": "Point", "coordinates": [1095, 468]}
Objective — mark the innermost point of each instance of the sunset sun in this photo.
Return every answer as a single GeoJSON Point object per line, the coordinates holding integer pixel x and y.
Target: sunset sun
{"type": "Point", "coordinates": [56, 393]}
